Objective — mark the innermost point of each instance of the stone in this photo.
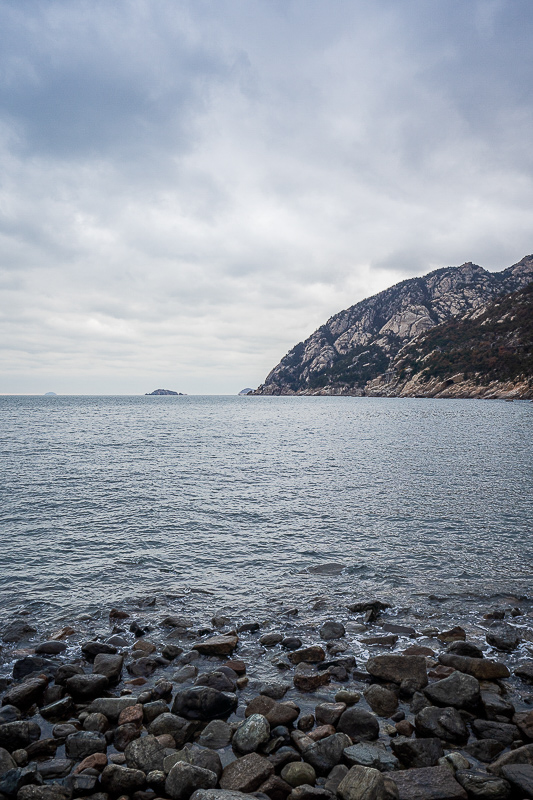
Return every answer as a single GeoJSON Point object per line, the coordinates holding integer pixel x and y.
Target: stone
{"type": "Point", "coordinates": [275, 788]}
{"type": "Point", "coordinates": [204, 703]}
{"type": "Point", "coordinates": [185, 673]}
{"type": "Point", "coordinates": [44, 748]}
{"type": "Point", "coordinates": [216, 734]}
{"type": "Point", "coordinates": [465, 649]}
{"type": "Point", "coordinates": [66, 671]}
{"type": "Point", "coordinates": [481, 668]}
{"type": "Point", "coordinates": [217, 645]}
{"type": "Point", "coordinates": [144, 646]}
{"type": "Point", "coordinates": [9, 714]}
{"type": "Point", "coordinates": [503, 637]}
{"type": "Point", "coordinates": [381, 700]}
{"type": "Point", "coordinates": [443, 723]}
{"type": "Point", "coordinates": [217, 680]}
{"type": "Point", "coordinates": [96, 722]}
{"type": "Point", "coordinates": [184, 779]}
{"type": "Point", "coordinates": [481, 786]}
{"type": "Point", "coordinates": [91, 649]}
{"type": "Point", "coordinates": [55, 768]}
{"type": "Point", "coordinates": [270, 639]}
{"type": "Point", "coordinates": [51, 648]}
{"type": "Point", "coordinates": [275, 713]}
{"type": "Point", "coordinates": [17, 734]}
{"type": "Point", "coordinates": [495, 706]}
{"type": "Point", "coordinates": [366, 754]}
{"type": "Point", "coordinates": [274, 689]}
{"type": "Point", "coordinates": [362, 783]}
{"type": "Point", "coordinates": [381, 641]}
{"type": "Point", "coordinates": [485, 750]}
{"type": "Point", "coordinates": [296, 773]}
{"type": "Point", "coordinates": [524, 722]}
{"type": "Point", "coordinates": [401, 630]}
{"type": "Point", "coordinates": [359, 724]}
{"type": "Point", "coordinates": [95, 761]}
{"type": "Point", "coordinates": [417, 752]}
{"type": "Point", "coordinates": [408, 671]}
{"type": "Point", "coordinates": [347, 696]}
{"type": "Point", "coordinates": [332, 630]}
{"type": "Point", "coordinates": [428, 783]}
{"type": "Point", "coordinates": [246, 774]}
{"type": "Point", "coordinates": [122, 780]}
{"type": "Point", "coordinates": [146, 754]}
{"type": "Point", "coordinates": [153, 709]}
{"type": "Point", "coordinates": [500, 731]}
{"type": "Point", "coordinates": [45, 792]}
{"type": "Point", "coordinates": [335, 777]}
{"type": "Point", "coordinates": [321, 732]}
{"type": "Point", "coordinates": [329, 713]}
{"type": "Point", "coordinates": [248, 627]}
{"type": "Point", "coordinates": [84, 743]}
{"type": "Point", "coordinates": [306, 792]}
{"type": "Point", "coordinates": [404, 728]}
{"type": "Point", "coordinates": [142, 667]}
{"type": "Point", "coordinates": [171, 651]}
{"type": "Point", "coordinates": [308, 655]}
{"type": "Point", "coordinates": [454, 760]}
{"type": "Point", "coordinates": [520, 776]}
{"type": "Point", "coordinates": [327, 753]}
{"type": "Point", "coordinates": [16, 631]}
{"type": "Point", "coordinates": [524, 671]}
{"type": "Point", "coordinates": [86, 687]}
{"type": "Point", "coordinates": [458, 690]}
{"type": "Point", "coordinates": [132, 714]}
{"type": "Point", "coordinates": [291, 643]}
{"type": "Point", "coordinates": [124, 734]}
{"type": "Point", "coordinates": [418, 650]}
{"type": "Point", "coordinates": [522, 755]}
{"type": "Point", "coordinates": [308, 679]}
{"type": "Point", "coordinates": [180, 729]}
{"type": "Point", "coordinates": [111, 707]}
{"type": "Point", "coordinates": [58, 710]}
{"type": "Point", "coordinates": [108, 665]}
{"type": "Point", "coordinates": [251, 734]}
{"type": "Point", "coordinates": [218, 794]}
{"type": "Point", "coordinates": [6, 761]}
{"type": "Point", "coordinates": [25, 694]}
{"type": "Point", "coordinates": [456, 634]}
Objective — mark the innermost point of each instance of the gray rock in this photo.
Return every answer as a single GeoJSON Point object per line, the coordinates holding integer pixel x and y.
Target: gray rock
{"type": "Point", "coordinates": [96, 722]}
{"type": "Point", "coordinates": [61, 709]}
{"type": "Point", "coordinates": [216, 734]}
{"type": "Point", "coordinates": [495, 706]}
{"type": "Point", "coordinates": [327, 753]}
{"type": "Point", "coordinates": [500, 731]}
{"type": "Point", "coordinates": [143, 667]}
{"type": "Point", "coordinates": [520, 776]}
{"type": "Point", "coordinates": [9, 713]}
{"type": "Point", "coordinates": [332, 630]}
{"type": "Point", "coordinates": [46, 792]}
{"type": "Point", "coordinates": [108, 665]}
{"type": "Point", "coordinates": [16, 631]}
{"type": "Point", "coordinates": [153, 710]}
{"type": "Point", "coordinates": [408, 671]}
{"type": "Point", "coordinates": [204, 757]}
{"type": "Point", "coordinates": [179, 728]}
{"type": "Point", "coordinates": [443, 723]}
{"type": "Point", "coordinates": [381, 700]}
{"type": "Point", "coordinates": [525, 671]}
{"type": "Point", "coordinates": [122, 780]}
{"type": "Point", "coordinates": [86, 687]}
{"type": "Point", "coordinates": [65, 672]}
{"type": "Point", "coordinates": [428, 783]}
{"type": "Point", "coordinates": [465, 649]}
{"type": "Point", "coordinates": [417, 752]}
{"type": "Point", "coordinates": [358, 724]}
{"type": "Point", "coordinates": [271, 639]}
{"type": "Point", "coordinates": [375, 755]}
{"type": "Point", "coordinates": [308, 655]}
{"type": "Point", "coordinates": [17, 734]}
{"type": "Point", "coordinates": [92, 649]}
{"type": "Point", "coordinates": [204, 703]}
{"type": "Point", "coordinates": [219, 794]}
{"type": "Point", "coordinates": [6, 762]}
{"type": "Point", "coordinates": [55, 768]}
{"type": "Point", "coordinates": [297, 773]}
{"type": "Point", "coordinates": [307, 792]}
{"type": "Point", "coordinates": [25, 694]}
{"type": "Point", "coordinates": [146, 754]}
{"type": "Point", "coordinates": [503, 637]}
{"type": "Point", "coordinates": [251, 734]}
{"type": "Point", "coordinates": [186, 673]}
{"type": "Point", "coordinates": [522, 755]}
{"type": "Point", "coordinates": [84, 743]}
{"type": "Point", "coordinates": [275, 690]}
{"type": "Point", "coordinates": [50, 648]}
{"type": "Point", "coordinates": [184, 779]}
{"type": "Point", "coordinates": [335, 777]}
{"type": "Point", "coordinates": [246, 774]}
{"type": "Point", "coordinates": [291, 643]}
{"type": "Point", "coordinates": [329, 713]}
{"type": "Point", "coordinates": [111, 707]}
{"type": "Point", "coordinates": [458, 690]}
{"type": "Point", "coordinates": [81, 783]}
{"type": "Point", "coordinates": [362, 783]}
{"type": "Point", "coordinates": [217, 680]}
{"type": "Point", "coordinates": [222, 645]}
{"type": "Point", "coordinates": [481, 668]}
{"type": "Point", "coordinates": [485, 750]}
{"type": "Point", "coordinates": [481, 786]}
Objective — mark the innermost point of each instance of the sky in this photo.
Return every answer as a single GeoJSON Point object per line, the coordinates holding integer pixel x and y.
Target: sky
{"type": "Point", "coordinates": [188, 189]}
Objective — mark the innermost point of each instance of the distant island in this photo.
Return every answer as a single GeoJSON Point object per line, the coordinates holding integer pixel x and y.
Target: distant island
{"type": "Point", "coordinates": [246, 391]}
{"type": "Point", "coordinates": [50, 394]}
{"type": "Point", "coordinates": [164, 391]}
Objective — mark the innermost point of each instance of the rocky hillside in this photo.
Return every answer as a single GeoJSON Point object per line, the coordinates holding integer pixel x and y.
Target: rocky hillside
{"type": "Point", "coordinates": [486, 353]}
{"type": "Point", "coordinates": [358, 345]}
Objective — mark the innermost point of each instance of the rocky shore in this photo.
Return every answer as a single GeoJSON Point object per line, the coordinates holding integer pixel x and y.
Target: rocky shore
{"type": "Point", "coordinates": [360, 706]}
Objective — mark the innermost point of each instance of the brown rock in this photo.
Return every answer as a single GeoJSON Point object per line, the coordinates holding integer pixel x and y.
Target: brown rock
{"type": "Point", "coordinates": [23, 695]}
{"type": "Point", "coordinates": [237, 666]}
{"type": "Point", "coordinates": [246, 774]}
{"type": "Point", "coordinates": [275, 788]}
{"type": "Point", "coordinates": [308, 655]}
{"type": "Point", "coordinates": [217, 645]}
{"type": "Point", "coordinates": [96, 761]}
{"type": "Point", "coordinates": [115, 613]}
{"type": "Point", "coordinates": [276, 713]}
{"type": "Point", "coordinates": [132, 714]}
{"type": "Point", "coordinates": [144, 646]}
{"type": "Point", "coordinates": [418, 650]}
{"type": "Point", "coordinates": [456, 634]}
{"type": "Point", "coordinates": [428, 783]}
{"type": "Point", "coordinates": [321, 732]}
{"type": "Point", "coordinates": [522, 755]}
{"type": "Point", "coordinates": [381, 700]}
{"type": "Point", "coordinates": [382, 641]}
{"type": "Point", "coordinates": [524, 721]}
{"type": "Point", "coordinates": [440, 672]}
{"type": "Point", "coordinates": [405, 728]}
{"type": "Point", "coordinates": [62, 633]}
{"type": "Point", "coordinates": [481, 668]}
{"type": "Point", "coordinates": [405, 670]}
{"type": "Point", "coordinates": [329, 713]}
{"type": "Point", "coordinates": [307, 679]}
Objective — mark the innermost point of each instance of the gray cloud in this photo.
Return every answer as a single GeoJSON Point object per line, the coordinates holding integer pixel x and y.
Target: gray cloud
{"type": "Point", "coordinates": [191, 188]}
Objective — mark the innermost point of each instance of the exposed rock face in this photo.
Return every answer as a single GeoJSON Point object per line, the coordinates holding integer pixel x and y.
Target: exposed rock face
{"type": "Point", "coordinates": [358, 345]}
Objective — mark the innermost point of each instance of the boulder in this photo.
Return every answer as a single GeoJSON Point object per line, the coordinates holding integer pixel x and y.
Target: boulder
{"type": "Point", "coordinates": [218, 794]}
{"type": "Point", "coordinates": [503, 637]}
{"type": "Point", "coordinates": [428, 783]}
{"type": "Point", "coordinates": [381, 700]}
{"type": "Point", "coordinates": [307, 679]}
{"type": "Point", "coordinates": [122, 780]}
{"type": "Point", "coordinates": [92, 649]}
{"type": "Point", "coordinates": [179, 728]}
{"type": "Point", "coordinates": [500, 731]}
{"type": "Point", "coordinates": [374, 755]}
{"type": "Point", "coordinates": [524, 671]}
{"type": "Point", "coordinates": [84, 743]}
{"type": "Point", "coordinates": [332, 630]}
{"type": "Point", "coordinates": [251, 734]}
{"type": "Point", "coordinates": [520, 776]}
{"type": "Point", "coordinates": [415, 753]}
{"type": "Point", "coordinates": [45, 792]}
{"type": "Point", "coordinates": [217, 680]}
{"type": "Point", "coordinates": [246, 774]}
{"type": "Point", "coordinates": [276, 713]}
{"type": "Point", "coordinates": [25, 694]}
{"type": "Point", "coordinates": [485, 750]}
{"type": "Point", "coordinates": [143, 667]}
{"type": "Point", "coordinates": [52, 648]}
{"type": "Point", "coordinates": [18, 734]}
{"type": "Point", "coordinates": [458, 690]}
{"type": "Point", "coordinates": [217, 645]}
{"type": "Point", "coordinates": [146, 754]}
{"type": "Point", "coordinates": [407, 671]}
{"type": "Point", "coordinates": [329, 713]}
{"type": "Point", "coordinates": [443, 723]}
{"type": "Point", "coordinates": [33, 664]}
{"type": "Point", "coordinates": [308, 655]}
{"type": "Point", "coordinates": [456, 634]}
{"type": "Point", "coordinates": [465, 649]}
{"type": "Point", "coordinates": [362, 783]}
{"type": "Point", "coordinates": [216, 734]}
{"type": "Point", "coordinates": [358, 724]}
{"type": "Point", "coordinates": [522, 755]}
{"type": "Point", "coordinates": [204, 703]}
{"type": "Point", "coordinates": [86, 687]}
{"type": "Point", "coordinates": [297, 773]}
{"type": "Point", "coordinates": [184, 779]}
{"type": "Point", "coordinates": [270, 639]}
{"type": "Point", "coordinates": [481, 668]}
{"type": "Point", "coordinates": [326, 753]}
{"type": "Point", "coordinates": [111, 707]}
{"type": "Point", "coordinates": [108, 665]}
{"type": "Point", "coordinates": [481, 786]}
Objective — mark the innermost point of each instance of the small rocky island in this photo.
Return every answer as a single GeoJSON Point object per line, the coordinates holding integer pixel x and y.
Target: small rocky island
{"type": "Point", "coordinates": [165, 392]}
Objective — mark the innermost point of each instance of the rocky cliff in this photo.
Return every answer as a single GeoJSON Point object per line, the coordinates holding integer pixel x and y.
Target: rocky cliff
{"type": "Point", "coordinates": [359, 345]}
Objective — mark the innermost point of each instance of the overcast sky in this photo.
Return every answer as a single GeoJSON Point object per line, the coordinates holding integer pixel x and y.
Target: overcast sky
{"type": "Point", "coordinates": [190, 188]}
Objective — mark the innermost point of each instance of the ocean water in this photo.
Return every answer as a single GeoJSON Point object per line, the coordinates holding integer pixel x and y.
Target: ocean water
{"type": "Point", "coordinates": [235, 501]}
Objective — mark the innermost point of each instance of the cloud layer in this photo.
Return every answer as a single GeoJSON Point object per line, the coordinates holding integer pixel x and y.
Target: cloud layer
{"type": "Point", "coordinates": [188, 189]}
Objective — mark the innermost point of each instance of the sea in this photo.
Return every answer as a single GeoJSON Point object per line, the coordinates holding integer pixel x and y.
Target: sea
{"type": "Point", "coordinates": [249, 503]}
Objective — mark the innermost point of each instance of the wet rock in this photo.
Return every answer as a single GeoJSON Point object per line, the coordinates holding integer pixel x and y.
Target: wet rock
{"type": "Point", "coordinates": [216, 734]}
{"type": "Point", "coordinates": [485, 750]}
{"type": "Point", "coordinates": [52, 648]}
{"type": "Point", "coordinates": [184, 674]}
{"type": "Point", "coordinates": [495, 707]}
{"type": "Point", "coordinates": [251, 734]}
{"type": "Point", "coordinates": [271, 639]}
{"type": "Point", "coordinates": [418, 650]}
{"type": "Point", "coordinates": [417, 752]}
{"type": "Point", "coordinates": [204, 703]}
{"type": "Point", "coordinates": [401, 630]}
{"type": "Point", "coordinates": [124, 734]}
{"type": "Point", "coordinates": [362, 783]}
{"type": "Point", "coordinates": [347, 696]}
{"type": "Point", "coordinates": [144, 646]}
{"type": "Point", "coordinates": [246, 774]}
{"type": "Point", "coordinates": [443, 723]}
{"type": "Point", "coordinates": [59, 710]}
{"type": "Point", "coordinates": [306, 722]}
{"type": "Point", "coordinates": [335, 777]}
{"type": "Point", "coordinates": [524, 722]}
{"type": "Point", "coordinates": [428, 783]}
{"type": "Point", "coordinates": [184, 779]}
{"type": "Point", "coordinates": [218, 794]}
{"type": "Point", "coordinates": [458, 690]}
{"type": "Point", "coordinates": [481, 786]}
{"type": "Point", "coordinates": [55, 768]}
{"type": "Point", "coordinates": [111, 707]}
{"type": "Point", "coordinates": [95, 761]}
{"type": "Point", "coordinates": [297, 773]}
{"type": "Point", "coordinates": [217, 680]}
{"type": "Point", "coordinates": [44, 748]}
{"type": "Point", "coordinates": [520, 776]}
{"type": "Point", "coordinates": [291, 643]}
{"type": "Point", "coordinates": [481, 668]}
{"type": "Point", "coordinates": [64, 730]}
{"type": "Point", "coordinates": [84, 743]}
{"type": "Point", "coordinates": [153, 709]}
{"type": "Point", "coordinates": [405, 728]}
{"type": "Point", "coordinates": [503, 637]}
{"type": "Point", "coordinates": [66, 671]}
{"type": "Point", "coordinates": [275, 788]}
{"type": "Point", "coordinates": [146, 754]}
{"type": "Point", "coordinates": [21, 733]}
{"type": "Point", "coordinates": [381, 700]}
{"type": "Point", "coordinates": [375, 607]}
{"type": "Point", "coordinates": [307, 792]}
{"type": "Point", "coordinates": [16, 631]}
{"type": "Point", "coordinates": [248, 627]}
{"type": "Point", "coordinates": [46, 792]}
{"type": "Point", "coordinates": [276, 713]}
{"type": "Point", "coordinates": [132, 714]}
{"type": "Point", "coordinates": [217, 645]}
{"type": "Point", "coordinates": [179, 728]}
{"type": "Point", "coordinates": [332, 630]}
{"type": "Point", "coordinates": [108, 665]}
{"type": "Point", "coordinates": [407, 671]}
{"type": "Point", "coordinates": [465, 649]}
{"type": "Point", "coordinates": [501, 732]}
{"type": "Point", "coordinates": [456, 634]}
{"type": "Point", "coordinates": [329, 713]}
{"type": "Point", "coordinates": [142, 667]}
{"type": "Point", "coordinates": [524, 671]}
{"type": "Point", "coordinates": [359, 724]}
{"type": "Point", "coordinates": [92, 649]}
{"type": "Point", "coordinates": [381, 641]}
{"type": "Point", "coordinates": [308, 679]}
{"type": "Point", "coordinates": [375, 755]}
{"type": "Point", "coordinates": [25, 694]}
{"type": "Point", "coordinates": [96, 722]}
{"type": "Point", "coordinates": [122, 780]}
{"type": "Point", "coordinates": [327, 753]}
{"type": "Point", "coordinates": [81, 784]}
{"type": "Point", "coordinates": [274, 690]}
{"type": "Point", "coordinates": [175, 621]}
{"type": "Point", "coordinates": [86, 687]}
{"type": "Point", "coordinates": [308, 655]}
{"type": "Point", "coordinates": [9, 714]}
{"type": "Point", "coordinates": [171, 651]}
